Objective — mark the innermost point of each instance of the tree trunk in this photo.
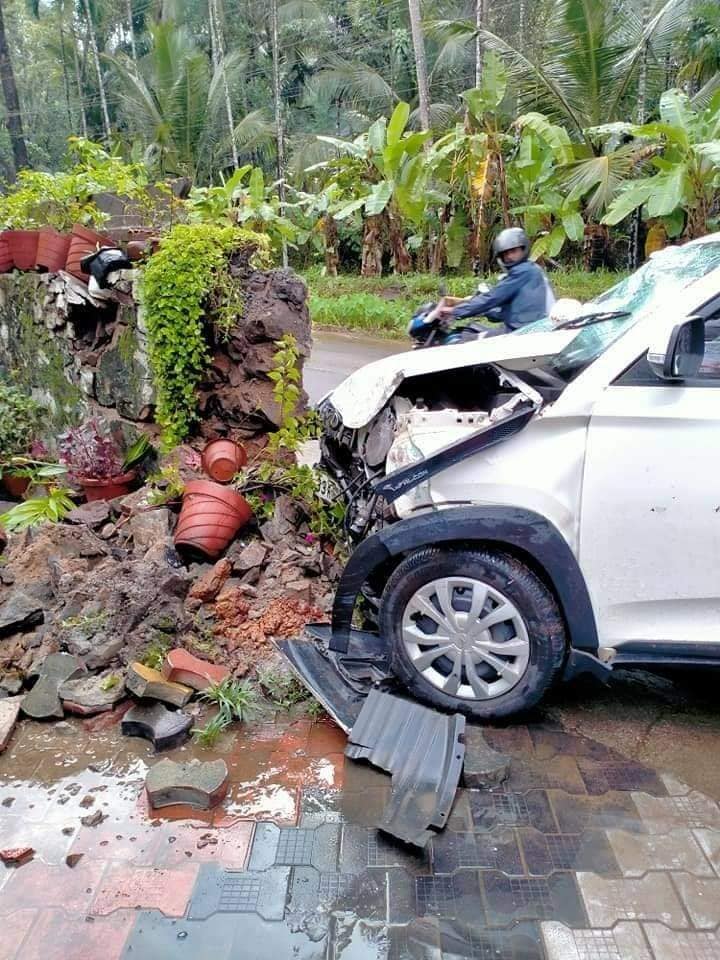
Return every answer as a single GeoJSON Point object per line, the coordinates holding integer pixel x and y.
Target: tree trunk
{"type": "Point", "coordinates": [66, 78]}
{"type": "Point", "coordinates": [402, 262]}
{"type": "Point", "coordinates": [420, 65]}
{"type": "Point", "coordinates": [131, 27]}
{"type": "Point", "coordinates": [636, 246]}
{"type": "Point", "coordinates": [332, 256]}
{"type": "Point", "coordinates": [218, 59]}
{"type": "Point", "coordinates": [98, 70]}
{"type": "Point", "coordinates": [596, 247]}
{"type": "Point", "coordinates": [280, 133]}
{"type": "Point", "coordinates": [12, 103]}
{"type": "Point", "coordinates": [479, 46]}
{"type": "Point", "coordinates": [372, 247]}
{"type": "Point", "coordinates": [78, 81]}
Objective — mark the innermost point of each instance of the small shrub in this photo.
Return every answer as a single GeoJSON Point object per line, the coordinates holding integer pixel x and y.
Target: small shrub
{"type": "Point", "coordinates": [235, 698]}
{"type": "Point", "coordinates": [20, 418]}
{"type": "Point", "coordinates": [281, 687]}
{"type": "Point", "coordinates": [48, 509]}
{"type": "Point", "coordinates": [156, 651]}
{"type": "Point", "coordinates": [208, 735]}
{"type": "Point", "coordinates": [90, 452]}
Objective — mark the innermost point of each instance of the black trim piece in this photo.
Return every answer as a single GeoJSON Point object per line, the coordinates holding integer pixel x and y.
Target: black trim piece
{"type": "Point", "coordinates": [659, 649]}
{"type": "Point", "coordinates": [423, 750]}
{"type": "Point", "coordinates": [502, 527]}
{"type": "Point", "coordinates": [398, 482]}
{"type": "Point", "coordinates": [581, 662]}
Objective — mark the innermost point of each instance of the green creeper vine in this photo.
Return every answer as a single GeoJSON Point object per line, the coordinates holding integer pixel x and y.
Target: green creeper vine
{"type": "Point", "coordinates": [187, 277]}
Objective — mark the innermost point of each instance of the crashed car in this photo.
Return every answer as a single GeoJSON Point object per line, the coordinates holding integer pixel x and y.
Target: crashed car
{"type": "Point", "coordinates": [534, 505]}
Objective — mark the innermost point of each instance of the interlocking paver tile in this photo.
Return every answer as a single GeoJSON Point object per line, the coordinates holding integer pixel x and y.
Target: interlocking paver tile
{"type": "Point", "coordinates": [228, 846]}
{"type": "Point", "coordinates": [675, 787]}
{"type": "Point", "coordinates": [59, 936]}
{"type": "Point", "coordinates": [545, 853]}
{"type": "Point", "coordinates": [386, 851]}
{"type": "Point", "coordinates": [320, 805]}
{"type": "Point", "coordinates": [514, 740]}
{"type": "Point", "coordinates": [548, 742]}
{"type": "Point", "coordinates": [600, 776]}
{"type": "Point", "coordinates": [145, 888]}
{"type": "Point", "coordinates": [155, 937]}
{"type": "Point", "coordinates": [238, 891]}
{"type": "Point", "coordinates": [532, 898]}
{"type": "Point", "coordinates": [574, 814]}
{"type": "Point", "coordinates": [473, 942]}
{"type": "Point", "coordinates": [652, 897]}
{"type": "Point", "coordinates": [419, 940]}
{"type": "Point", "coordinates": [264, 846]}
{"type": "Point", "coordinates": [638, 853]}
{"type": "Point", "coordinates": [663, 814]}
{"type": "Point", "coordinates": [701, 899]}
{"type": "Point", "coordinates": [490, 810]}
{"type": "Point", "coordinates": [672, 945]}
{"type": "Point", "coordinates": [295, 846]}
{"type": "Point", "coordinates": [497, 850]}
{"type": "Point", "coordinates": [555, 773]}
{"type": "Point", "coordinates": [14, 930]}
{"type": "Point", "coordinates": [624, 942]}
{"type": "Point", "coordinates": [37, 884]}
{"type": "Point", "coordinates": [709, 840]}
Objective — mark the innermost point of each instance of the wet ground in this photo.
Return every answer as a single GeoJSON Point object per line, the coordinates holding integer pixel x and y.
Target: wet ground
{"type": "Point", "coordinates": [604, 843]}
{"type": "Point", "coordinates": [336, 355]}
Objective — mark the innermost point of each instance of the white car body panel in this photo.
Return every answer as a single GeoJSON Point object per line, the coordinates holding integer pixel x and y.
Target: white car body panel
{"type": "Point", "coordinates": [365, 392]}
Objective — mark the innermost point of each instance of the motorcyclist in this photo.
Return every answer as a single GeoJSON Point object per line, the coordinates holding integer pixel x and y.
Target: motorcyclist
{"type": "Point", "coordinates": [522, 296]}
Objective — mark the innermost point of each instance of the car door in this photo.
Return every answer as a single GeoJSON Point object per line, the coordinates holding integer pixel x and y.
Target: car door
{"type": "Point", "coordinates": [650, 510]}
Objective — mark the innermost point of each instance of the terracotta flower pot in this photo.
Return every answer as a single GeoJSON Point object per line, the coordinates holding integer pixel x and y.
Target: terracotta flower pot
{"type": "Point", "coordinates": [23, 247]}
{"type": "Point", "coordinates": [83, 242]}
{"type": "Point", "coordinates": [15, 486]}
{"type": "Point", "coordinates": [222, 459]}
{"type": "Point", "coordinates": [52, 249]}
{"type": "Point", "coordinates": [210, 518]}
{"type": "Point", "coordinates": [6, 257]}
{"type": "Point", "coordinates": [107, 489]}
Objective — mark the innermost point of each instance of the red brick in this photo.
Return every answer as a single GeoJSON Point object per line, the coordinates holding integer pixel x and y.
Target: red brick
{"type": "Point", "coordinates": [182, 667]}
{"type": "Point", "coordinates": [227, 846]}
{"type": "Point", "coordinates": [145, 888]}
{"type": "Point", "coordinates": [14, 931]}
{"type": "Point", "coordinates": [59, 936]}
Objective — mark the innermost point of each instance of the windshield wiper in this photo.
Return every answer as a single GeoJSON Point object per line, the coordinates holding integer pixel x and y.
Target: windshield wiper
{"type": "Point", "coordinates": [577, 323]}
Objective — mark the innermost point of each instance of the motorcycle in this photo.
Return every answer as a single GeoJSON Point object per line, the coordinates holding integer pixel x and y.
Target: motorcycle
{"type": "Point", "coordinates": [428, 329]}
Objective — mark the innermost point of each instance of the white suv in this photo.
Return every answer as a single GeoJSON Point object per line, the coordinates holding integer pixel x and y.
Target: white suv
{"type": "Point", "coordinates": [542, 502]}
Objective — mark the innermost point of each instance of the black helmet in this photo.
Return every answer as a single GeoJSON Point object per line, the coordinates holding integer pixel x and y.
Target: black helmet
{"type": "Point", "coordinates": [508, 240]}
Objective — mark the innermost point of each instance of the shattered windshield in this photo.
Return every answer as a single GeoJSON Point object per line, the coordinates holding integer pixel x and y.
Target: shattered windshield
{"type": "Point", "coordinates": [642, 292]}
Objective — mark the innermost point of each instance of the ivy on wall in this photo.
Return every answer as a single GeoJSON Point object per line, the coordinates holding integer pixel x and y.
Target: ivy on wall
{"type": "Point", "coordinates": [188, 272]}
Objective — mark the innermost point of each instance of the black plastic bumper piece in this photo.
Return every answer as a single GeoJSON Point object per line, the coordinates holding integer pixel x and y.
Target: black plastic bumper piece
{"type": "Point", "coordinates": [423, 750]}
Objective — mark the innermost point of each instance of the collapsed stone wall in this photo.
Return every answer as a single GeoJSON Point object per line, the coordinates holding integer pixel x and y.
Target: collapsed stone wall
{"type": "Point", "coordinates": [81, 355]}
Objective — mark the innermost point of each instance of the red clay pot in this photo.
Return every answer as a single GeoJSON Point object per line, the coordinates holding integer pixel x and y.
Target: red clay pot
{"type": "Point", "coordinates": [15, 486]}
{"type": "Point", "coordinates": [211, 516]}
{"type": "Point", "coordinates": [52, 250]}
{"type": "Point", "coordinates": [6, 257]}
{"type": "Point", "coordinates": [83, 242]}
{"type": "Point", "coordinates": [221, 460]}
{"type": "Point", "coordinates": [23, 247]}
{"type": "Point", "coordinates": [107, 489]}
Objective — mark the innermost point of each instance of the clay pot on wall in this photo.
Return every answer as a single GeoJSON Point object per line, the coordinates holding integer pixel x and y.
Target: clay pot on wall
{"type": "Point", "coordinates": [210, 518]}
{"type": "Point", "coordinates": [221, 460]}
{"type": "Point", "coordinates": [52, 250]}
{"type": "Point", "coordinates": [82, 243]}
{"type": "Point", "coordinates": [107, 489]}
{"type": "Point", "coordinates": [6, 257]}
{"type": "Point", "coordinates": [23, 247]}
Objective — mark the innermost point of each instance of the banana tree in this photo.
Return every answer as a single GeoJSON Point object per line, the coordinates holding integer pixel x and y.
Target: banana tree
{"type": "Point", "coordinates": [381, 175]}
{"type": "Point", "coordinates": [684, 190]}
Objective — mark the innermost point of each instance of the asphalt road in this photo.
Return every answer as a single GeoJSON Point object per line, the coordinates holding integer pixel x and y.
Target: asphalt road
{"type": "Point", "coordinates": [336, 355]}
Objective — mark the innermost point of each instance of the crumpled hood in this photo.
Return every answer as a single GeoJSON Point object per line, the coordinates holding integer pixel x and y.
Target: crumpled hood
{"type": "Point", "coordinates": [365, 392]}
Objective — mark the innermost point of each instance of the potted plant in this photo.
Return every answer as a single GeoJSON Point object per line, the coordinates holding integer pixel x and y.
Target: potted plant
{"type": "Point", "coordinates": [20, 418]}
{"type": "Point", "coordinates": [95, 462]}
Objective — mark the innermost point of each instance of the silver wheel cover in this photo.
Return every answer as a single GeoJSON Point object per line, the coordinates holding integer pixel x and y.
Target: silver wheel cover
{"type": "Point", "coordinates": [465, 638]}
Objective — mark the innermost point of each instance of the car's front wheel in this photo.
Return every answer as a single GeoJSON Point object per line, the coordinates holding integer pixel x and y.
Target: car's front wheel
{"type": "Point", "coordinates": [473, 631]}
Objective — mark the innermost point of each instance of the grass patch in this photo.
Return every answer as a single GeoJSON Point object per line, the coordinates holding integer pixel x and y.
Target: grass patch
{"type": "Point", "coordinates": [383, 305]}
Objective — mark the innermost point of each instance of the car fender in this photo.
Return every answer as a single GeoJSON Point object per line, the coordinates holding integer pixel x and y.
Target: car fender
{"type": "Point", "coordinates": [500, 526]}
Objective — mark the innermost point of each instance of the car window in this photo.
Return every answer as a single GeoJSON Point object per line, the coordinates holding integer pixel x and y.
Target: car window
{"type": "Point", "coordinates": [641, 293]}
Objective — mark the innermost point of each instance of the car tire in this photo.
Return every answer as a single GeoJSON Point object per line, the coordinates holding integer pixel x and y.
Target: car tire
{"type": "Point", "coordinates": [484, 685]}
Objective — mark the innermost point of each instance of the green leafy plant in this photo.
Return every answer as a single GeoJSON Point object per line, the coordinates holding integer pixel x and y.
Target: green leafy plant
{"type": "Point", "coordinates": [136, 452]}
{"type": "Point", "coordinates": [263, 484]}
{"type": "Point", "coordinates": [166, 486]}
{"type": "Point", "coordinates": [156, 651]}
{"type": "Point", "coordinates": [235, 699]}
{"type": "Point", "coordinates": [89, 622]}
{"type": "Point", "coordinates": [287, 379]}
{"type": "Point", "coordinates": [48, 509]}
{"type": "Point", "coordinates": [177, 285]}
{"type": "Point", "coordinates": [20, 418]}
{"type": "Point", "coordinates": [36, 471]}
{"type": "Point", "coordinates": [282, 688]}
{"type": "Point", "coordinates": [209, 735]}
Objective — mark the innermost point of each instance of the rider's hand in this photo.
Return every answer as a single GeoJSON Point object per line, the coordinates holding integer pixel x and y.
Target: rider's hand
{"type": "Point", "coordinates": [443, 311]}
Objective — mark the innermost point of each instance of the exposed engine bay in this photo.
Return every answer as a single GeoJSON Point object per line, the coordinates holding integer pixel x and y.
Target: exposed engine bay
{"type": "Point", "coordinates": [433, 420]}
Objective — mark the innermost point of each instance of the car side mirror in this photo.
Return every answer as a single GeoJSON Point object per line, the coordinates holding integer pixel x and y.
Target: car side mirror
{"type": "Point", "coordinates": [681, 356]}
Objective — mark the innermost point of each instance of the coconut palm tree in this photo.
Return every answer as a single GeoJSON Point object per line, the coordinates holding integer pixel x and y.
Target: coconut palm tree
{"type": "Point", "coordinates": [176, 104]}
